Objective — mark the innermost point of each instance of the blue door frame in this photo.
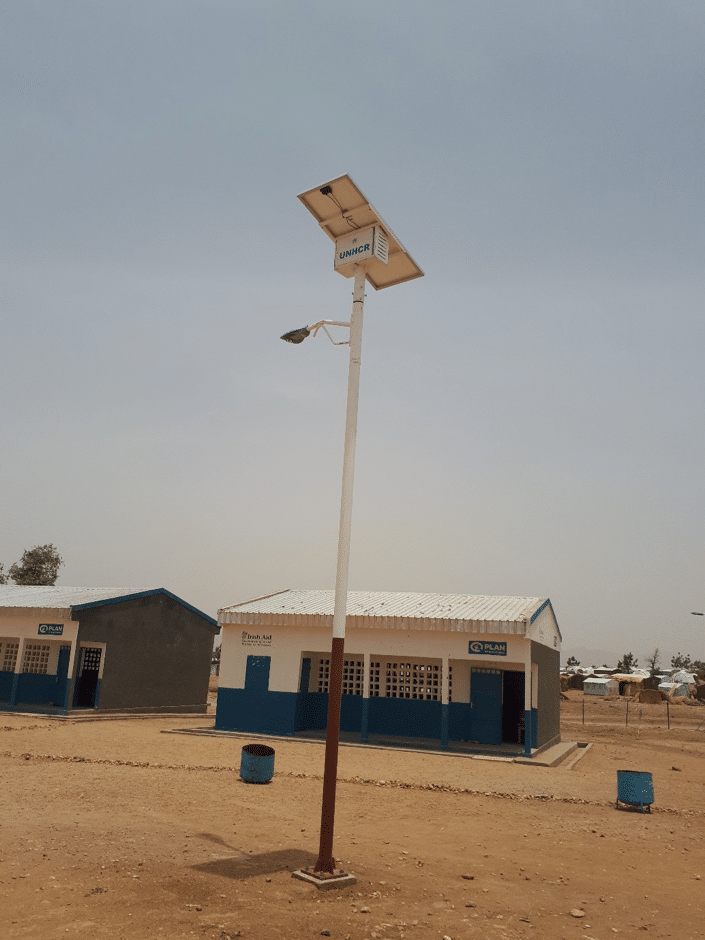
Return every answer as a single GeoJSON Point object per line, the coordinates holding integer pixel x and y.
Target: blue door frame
{"type": "Point", "coordinates": [62, 673]}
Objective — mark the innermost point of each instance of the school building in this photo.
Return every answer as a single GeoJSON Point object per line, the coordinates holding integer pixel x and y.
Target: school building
{"type": "Point", "coordinates": [67, 649]}
{"type": "Point", "coordinates": [463, 670]}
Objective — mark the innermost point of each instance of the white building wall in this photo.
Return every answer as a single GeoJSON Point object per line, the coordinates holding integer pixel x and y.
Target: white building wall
{"type": "Point", "coordinates": [21, 624]}
{"type": "Point", "coordinates": [288, 645]}
{"type": "Point", "coordinates": [545, 629]}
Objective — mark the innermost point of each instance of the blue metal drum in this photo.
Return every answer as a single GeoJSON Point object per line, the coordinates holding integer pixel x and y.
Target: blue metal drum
{"type": "Point", "coordinates": [635, 788]}
{"type": "Point", "coordinates": [257, 763]}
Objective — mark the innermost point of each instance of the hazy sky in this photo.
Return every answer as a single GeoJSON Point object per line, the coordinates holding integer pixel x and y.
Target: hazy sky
{"type": "Point", "coordinates": [531, 411]}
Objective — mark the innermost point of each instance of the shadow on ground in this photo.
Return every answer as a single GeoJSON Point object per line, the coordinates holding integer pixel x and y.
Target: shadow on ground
{"type": "Point", "coordinates": [267, 863]}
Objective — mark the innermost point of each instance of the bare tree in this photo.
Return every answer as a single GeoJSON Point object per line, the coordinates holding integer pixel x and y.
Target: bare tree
{"type": "Point", "coordinates": [653, 661]}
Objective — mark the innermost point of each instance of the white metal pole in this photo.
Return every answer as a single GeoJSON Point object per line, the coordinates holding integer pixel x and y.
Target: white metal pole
{"type": "Point", "coordinates": [326, 862]}
{"type": "Point", "coordinates": [341, 577]}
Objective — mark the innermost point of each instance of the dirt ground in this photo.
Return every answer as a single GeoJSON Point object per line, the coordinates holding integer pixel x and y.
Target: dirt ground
{"type": "Point", "coordinates": [117, 829]}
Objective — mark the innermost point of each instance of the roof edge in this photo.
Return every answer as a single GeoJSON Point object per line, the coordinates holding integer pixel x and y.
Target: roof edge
{"type": "Point", "coordinates": [253, 600]}
{"type": "Point", "coordinates": [132, 597]}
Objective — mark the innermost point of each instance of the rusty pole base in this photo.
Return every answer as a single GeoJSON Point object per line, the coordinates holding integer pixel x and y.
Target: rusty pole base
{"type": "Point", "coordinates": [325, 880]}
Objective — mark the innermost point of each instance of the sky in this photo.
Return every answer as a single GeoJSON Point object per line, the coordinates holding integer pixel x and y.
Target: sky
{"type": "Point", "coordinates": [531, 410]}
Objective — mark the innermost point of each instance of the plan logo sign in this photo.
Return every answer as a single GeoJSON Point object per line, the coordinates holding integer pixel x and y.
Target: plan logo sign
{"type": "Point", "coordinates": [50, 629]}
{"type": "Point", "coordinates": [483, 648]}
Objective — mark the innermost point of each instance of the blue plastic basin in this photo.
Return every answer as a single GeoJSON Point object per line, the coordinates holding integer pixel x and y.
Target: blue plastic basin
{"type": "Point", "coordinates": [257, 763]}
{"type": "Point", "coordinates": [635, 788]}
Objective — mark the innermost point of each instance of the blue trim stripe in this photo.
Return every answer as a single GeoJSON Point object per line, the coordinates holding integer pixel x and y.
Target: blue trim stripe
{"type": "Point", "coordinates": [132, 597]}
{"type": "Point", "coordinates": [538, 610]}
{"type": "Point", "coordinates": [546, 603]}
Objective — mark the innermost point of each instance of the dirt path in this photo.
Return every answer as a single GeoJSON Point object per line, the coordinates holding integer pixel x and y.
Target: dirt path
{"type": "Point", "coordinates": [115, 829]}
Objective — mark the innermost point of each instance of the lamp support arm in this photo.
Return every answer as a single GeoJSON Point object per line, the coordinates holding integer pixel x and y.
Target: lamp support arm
{"type": "Point", "coordinates": [323, 324]}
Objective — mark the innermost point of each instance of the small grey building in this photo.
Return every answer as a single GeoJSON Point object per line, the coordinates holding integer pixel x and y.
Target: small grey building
{"type": "Point", "coordinates": [66, 649]}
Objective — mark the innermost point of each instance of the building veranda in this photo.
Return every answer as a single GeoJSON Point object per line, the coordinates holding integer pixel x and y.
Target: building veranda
{"type": "Point", "coordinates": [458, 670]}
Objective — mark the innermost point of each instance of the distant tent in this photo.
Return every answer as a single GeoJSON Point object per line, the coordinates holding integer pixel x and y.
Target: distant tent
{"type": "Point", "coordinates": [598, 685]}
{"type": "Point", "coordinates": [675, 689]}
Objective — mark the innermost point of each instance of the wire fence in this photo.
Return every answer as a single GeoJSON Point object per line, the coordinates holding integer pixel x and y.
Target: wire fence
{"type": "Point", "coordinates": [665, 715]}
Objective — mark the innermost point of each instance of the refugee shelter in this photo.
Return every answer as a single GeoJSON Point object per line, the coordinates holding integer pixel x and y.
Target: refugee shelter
{"type": "Point", "coordinates": [601, 685]}
{"type": "Point", "coordinates": [451, 668]}
{"type": "Point", "coordinates": [573, 680]}
{"type": "Point", "coordinates": [629, 683]}
{"type": "Point", "coordinates": [69, 649]}
{"type": "Point", "coordinates": [676, 689]}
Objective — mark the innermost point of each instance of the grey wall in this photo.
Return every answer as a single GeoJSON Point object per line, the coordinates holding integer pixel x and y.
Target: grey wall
{"type": "Point", "coordinates": [549, 692]}
{"type": "Point", "coordinates": [158, 654]}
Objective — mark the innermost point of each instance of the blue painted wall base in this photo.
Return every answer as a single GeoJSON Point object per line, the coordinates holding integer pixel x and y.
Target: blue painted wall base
{"type": "Point", "coordinates": [444, 726]}
{"type": "Point", "coordinates": [6, 682]}
{"type": "Point", "coordinates": [286, 713]}
{"type": "Point", "coordinates": [258, 712]}
{"type": "Point", "coordinates": [25, 689]}
{"type": "Point", "coordinates": [528, 732]}
{"type": "Point", "coordinates": [365, 720]}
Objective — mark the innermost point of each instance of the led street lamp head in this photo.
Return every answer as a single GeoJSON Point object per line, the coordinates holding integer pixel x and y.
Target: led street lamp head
{"type": "Point", "coordinates": [296, 336]}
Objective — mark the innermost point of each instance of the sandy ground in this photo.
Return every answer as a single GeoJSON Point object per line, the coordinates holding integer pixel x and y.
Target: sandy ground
{"type": "Point", "coordinates": [117, 829]}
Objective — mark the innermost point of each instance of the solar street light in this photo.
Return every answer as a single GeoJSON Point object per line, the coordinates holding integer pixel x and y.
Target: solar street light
{"type": "Point", "coordinates": [366, 249]}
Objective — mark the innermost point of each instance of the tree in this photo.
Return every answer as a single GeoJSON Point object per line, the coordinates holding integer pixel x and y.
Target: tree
{"type": "Point", "coordinates": [627, 663]}
{"type": "Point", "coordinates": [39, 565]}
{"type": "Point", "coordinates": [682, 662]}
{"type": "Point", "coordinates": [572, 661]}
{"type": "Point", "coordinates": [3, 576]}
{"type": "Point", "coordinates": [653, 661]}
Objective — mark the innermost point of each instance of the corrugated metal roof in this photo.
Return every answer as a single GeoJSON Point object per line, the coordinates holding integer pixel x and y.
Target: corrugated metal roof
{"type": "Point", "coordinates": [389, 610]}
{"type": "Point", "coordinates": [58, 597]}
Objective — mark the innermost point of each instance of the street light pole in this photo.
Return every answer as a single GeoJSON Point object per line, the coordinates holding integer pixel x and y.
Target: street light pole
{"type": "Point", "coordinates": [326, 862]}
{"type": "Point", "coordinates": [367, 250]}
